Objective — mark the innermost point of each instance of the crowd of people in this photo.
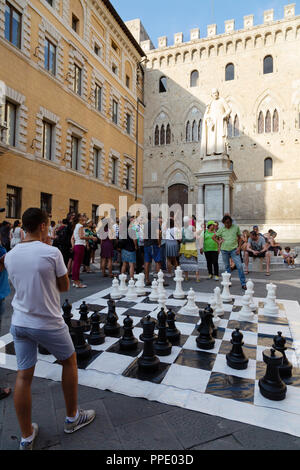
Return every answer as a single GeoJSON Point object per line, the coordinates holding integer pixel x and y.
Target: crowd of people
{"type": "Point", "coordinates": [38, 258]}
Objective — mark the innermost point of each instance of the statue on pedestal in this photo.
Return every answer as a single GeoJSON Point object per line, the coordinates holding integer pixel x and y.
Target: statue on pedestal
{"type": "Point", "coordinates": [214, 130]}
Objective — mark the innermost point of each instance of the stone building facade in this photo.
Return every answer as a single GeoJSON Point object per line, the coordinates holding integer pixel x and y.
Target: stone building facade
{"type": "Point", "coordinates": [71, 110]}
{"type": "Point", "coordinates": [256, 70]}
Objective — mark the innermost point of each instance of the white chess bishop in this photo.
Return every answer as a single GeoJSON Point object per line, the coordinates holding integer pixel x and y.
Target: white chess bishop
{"type": "Point", "coordinates": [131, 292]}
{"type": "Point", "coordinates": [226, 296]}
{"type": "Point", "coordinates": [154, 296]}
{"type": "Point", "coordinates": [115, 292]}
{"type": "Point", "coordinates": [250, 292]}
{"type": "Point", "coordinates": [123, 287]}
{"type": "Point", "coordinates": [271, 308]}
{"type": "Point", "coordinates": [246, 313]}
{"type": "Point", "coordinates": [179, 292]}
{"type": "Point", "coordinates": [190, 307]}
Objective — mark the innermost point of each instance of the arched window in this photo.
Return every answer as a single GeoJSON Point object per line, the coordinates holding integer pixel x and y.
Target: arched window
{"type": "Point", "coordinates": [162, 85]}
{"type": "Point", "coordinates": [194, 80]}
{"type": "Point", "coordinates": [162, 135]}
{"type": "Point", "coordinates": [168, 135]}
{"type": "Point", "coordinates": [275, 121]}
{"type": "Point", "coordinates": [261, 126]}
{"type": "Point", "coordinates": [200, 130]}
{"type": "Point", "coordinates": [188, 132]}
{"type": "Point", "coordinates": [268, 123]}
{"type": "Point", "coordinates": [195, 132]}
{"type": "Point", "coordinates": [156, 136]}
{"type": "Point", "coordinates": [229, 127]}
{"type": "Point", "coordinates": [268, 167]}
{"type": "Point", "coordinates": [268, 64]}
{"type": "Point", "coordinates": [236, 129]}
{"type": "Point", "coordinates": [229, 72]}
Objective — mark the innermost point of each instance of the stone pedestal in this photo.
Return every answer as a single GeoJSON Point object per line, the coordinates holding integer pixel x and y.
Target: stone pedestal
{"type": "Point", "coordinates": [216, 180]}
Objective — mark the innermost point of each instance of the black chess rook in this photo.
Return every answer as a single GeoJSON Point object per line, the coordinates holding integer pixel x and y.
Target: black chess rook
{"type": "Point", "coordinates": [271, 385]}
{"type": "Point", "coordinates": [236, 359]}
{"type": "Point", "coordinates": [148, 362]}
{"type": "Point", "coordinates": [128, 342]}
{"type": "Point", "coordinates": [279, 343]}
{"type": "Point", "coordinates": [162, 346]}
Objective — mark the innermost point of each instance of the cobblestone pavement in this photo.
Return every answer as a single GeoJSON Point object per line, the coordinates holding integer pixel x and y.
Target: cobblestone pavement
{"type": "Point", "coordinates": [133, 423]}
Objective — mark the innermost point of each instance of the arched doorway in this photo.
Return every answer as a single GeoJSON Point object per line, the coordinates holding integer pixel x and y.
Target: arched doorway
{"type": "Point", "coordinates": [178, 194]}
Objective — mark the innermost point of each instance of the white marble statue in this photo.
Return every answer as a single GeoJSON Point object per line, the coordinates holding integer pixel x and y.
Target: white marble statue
{"type": "Point", "coordinates": [214, 130]}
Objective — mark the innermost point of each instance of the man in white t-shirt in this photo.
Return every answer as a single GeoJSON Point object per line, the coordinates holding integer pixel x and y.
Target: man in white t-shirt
{"type": "Point", "coordinates": [38, 274]}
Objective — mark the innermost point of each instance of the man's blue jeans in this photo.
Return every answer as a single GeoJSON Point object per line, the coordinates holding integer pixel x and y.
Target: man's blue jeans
{"type": "Point", "coordinates": [226, 255]}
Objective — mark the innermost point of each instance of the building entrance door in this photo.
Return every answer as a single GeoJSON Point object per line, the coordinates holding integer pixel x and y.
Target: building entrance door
{"type": "Point", "coordinates": [178, 194]}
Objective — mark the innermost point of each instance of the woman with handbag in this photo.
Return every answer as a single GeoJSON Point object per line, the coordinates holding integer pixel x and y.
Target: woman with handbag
{"type": "Point", "coordinates": [188, 250]}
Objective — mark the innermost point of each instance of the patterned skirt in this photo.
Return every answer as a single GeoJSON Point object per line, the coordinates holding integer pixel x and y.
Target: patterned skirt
{"type": "Point", "coordinates": [172, 249]}
{"type": "Point", "coordinates": [189, 265]}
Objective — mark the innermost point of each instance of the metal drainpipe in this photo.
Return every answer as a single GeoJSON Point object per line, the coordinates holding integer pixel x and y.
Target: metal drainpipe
{"type": "Point", "coordinates": [137, 137]}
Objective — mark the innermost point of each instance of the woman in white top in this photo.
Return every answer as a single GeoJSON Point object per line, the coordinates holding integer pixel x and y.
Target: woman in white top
{"type": "Point", "coordinates": [16, 234]}
{"type": "Point", "coordinates": [79, 240]}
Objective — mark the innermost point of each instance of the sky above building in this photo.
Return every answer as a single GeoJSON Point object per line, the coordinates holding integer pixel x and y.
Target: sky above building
{"type": "Point", "coordinates": [167, 17]}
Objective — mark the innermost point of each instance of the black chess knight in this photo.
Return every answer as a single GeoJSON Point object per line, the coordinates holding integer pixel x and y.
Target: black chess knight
{"type": "Point", "coordinates": [279, 343]}
{"type": "Point", "coordinates": [205, 339]}
{"type": "Point", "coordinates": [112, 327]}
{"type": "Point", "coordinates": [173, 334]}
{"type": "Point", "coordinates": [82, 348]}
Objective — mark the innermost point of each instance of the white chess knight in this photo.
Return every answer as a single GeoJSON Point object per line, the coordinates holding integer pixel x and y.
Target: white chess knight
{"type": "Point", "coordinates": [226, 296]}
{"type": "Point", "coordinates": [154, 296]}
{"type": "Point", "coordinates": [218, 302]}
{"type": "Point", "coordinates": [131, 292]}
{"type": "Point", "coordinates": [179, 292]}
{"type": "Point", "coordinates": [246, 313]}
{"type": "Point", "coordinates": [190, 307]}
{"type": "Point", "coordinates": [271, 308]}
{"type": "Point", "coordinates": [115, 292]}
{"type": "Point", "coordinates": [123, 288]}
{"type": "Point", "coordinates": [250, 292]}
{"type": "Point", "coordinates": [140, 284]}
{"type": "Point", "coordinates": [213, 304]}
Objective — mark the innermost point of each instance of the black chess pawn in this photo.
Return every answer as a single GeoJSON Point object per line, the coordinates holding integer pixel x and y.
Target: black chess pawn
{"type": "Point", "coordinates": [173, 334]}
{"type": "Point", "coordinates": [128, 342]}
{"type": "Point", "coordinates": [148, 362]}
{"type": "Point", "coordinates": [271, 386]}
{"type": "Point", "coordinates": [208, 309]}
{"type": "Point", "coordinates": [205, 340]}
{"type": "Point", "coordinates": [162, 346]}
{"type": "Point", "coordinates": [112, 327]}
{"type": "Point", "coordinates": [82, 348]}
{"type": "Point", "coordinates": [83, 310]}
{"type": "Point", "coordinates": [67, 315]}
{"type": "Point", "coordinates": [236, 359]}
{"type": "Point", "coordinates": [96, 335]}
{"type": "Point", "coordinates": [279, 343]}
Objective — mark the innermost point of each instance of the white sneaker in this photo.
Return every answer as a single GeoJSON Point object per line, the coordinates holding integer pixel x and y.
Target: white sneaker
{"type": "Point", "coordinates": [85, 417]}
{"type": "Point", "coordinates": [29, 445]}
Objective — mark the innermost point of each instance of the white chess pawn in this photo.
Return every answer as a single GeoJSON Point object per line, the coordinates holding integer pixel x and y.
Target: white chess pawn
{"type": "Point", "coordinates": [219, 302]}
{"type": "Point", "coordinates": [246, 313]}
{"type": "Point", "coordinates": [190, 308]}
{"type": "Point", "coordinates": [140, 284]}
{"type": "Point", "coordinates": [271, 308]}
{"type": "Point", "coordinates": [250, 292]}
{"type": "Point", "coordinates": [123, 288]}
{"type": "Point", "coordinates": [115, 292]}
{"type": "Point", "coordinates": [179, 292]}
{"type": "Point", "coordinates": [226, 296]}
{"type": "Point", "coordinates": [131, 293]}
{"type": "Point", "coordinates": [154, 296]}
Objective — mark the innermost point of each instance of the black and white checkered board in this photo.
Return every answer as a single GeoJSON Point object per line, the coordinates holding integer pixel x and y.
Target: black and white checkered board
{"type": "Point", "coordinates": [192, 378]}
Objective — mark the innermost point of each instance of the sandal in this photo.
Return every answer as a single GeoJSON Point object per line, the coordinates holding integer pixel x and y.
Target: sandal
{"type": "Point", "coordinates": [268, 274]}
{"type": "Point", "coordinates": [4, 393]}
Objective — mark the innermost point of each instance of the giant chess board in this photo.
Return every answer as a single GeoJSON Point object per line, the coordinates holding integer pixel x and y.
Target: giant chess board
{"type": "Point", "coordinates": [191, 378]}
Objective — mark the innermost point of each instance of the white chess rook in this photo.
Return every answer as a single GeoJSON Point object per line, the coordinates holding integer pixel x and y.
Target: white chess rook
{"type": "Point", "coordinates": [179, 292]}
{"type": "Point", "coordinates": [246, 313]}
{"type": "Point", "coordinates": [271, 308]}
{"type": "Point", "coordinates": [226, 296]}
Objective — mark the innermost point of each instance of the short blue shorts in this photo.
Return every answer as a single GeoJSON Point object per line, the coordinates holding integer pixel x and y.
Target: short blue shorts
{"type": "Point", "coordinates": [26, 340]}
{"type": "Point", "coordinates": [128, 256]}
{"type": "Point", "coordinates": [152, 253]}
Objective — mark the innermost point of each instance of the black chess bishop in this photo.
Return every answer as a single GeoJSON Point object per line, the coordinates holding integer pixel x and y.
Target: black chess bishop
{"type": "Point", "coordinates": [128, 342]}
{"type": "Point", "coordinates": [148, 362]}
{"type": "Point", "coordinates": [205, 339]}
{"type": "Point", "coordinates": [96, 336]}
{"type": "Point", "coordinates": [67, 315]}
{"type": "Point", "coordinates": [173, 334]}
{"type": "Point", "coordinates": [83, 310]}
{"type": "Point", "coordinates": [271, 385]}
{"type": "Point", "coordinates": [279, 343]}
{"type": "Point", "coordinates": [162, 345]}
{"type": "Point", "coordinates": [112, 327]}
{"type": "Point", "coordinates": [236, 359]}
